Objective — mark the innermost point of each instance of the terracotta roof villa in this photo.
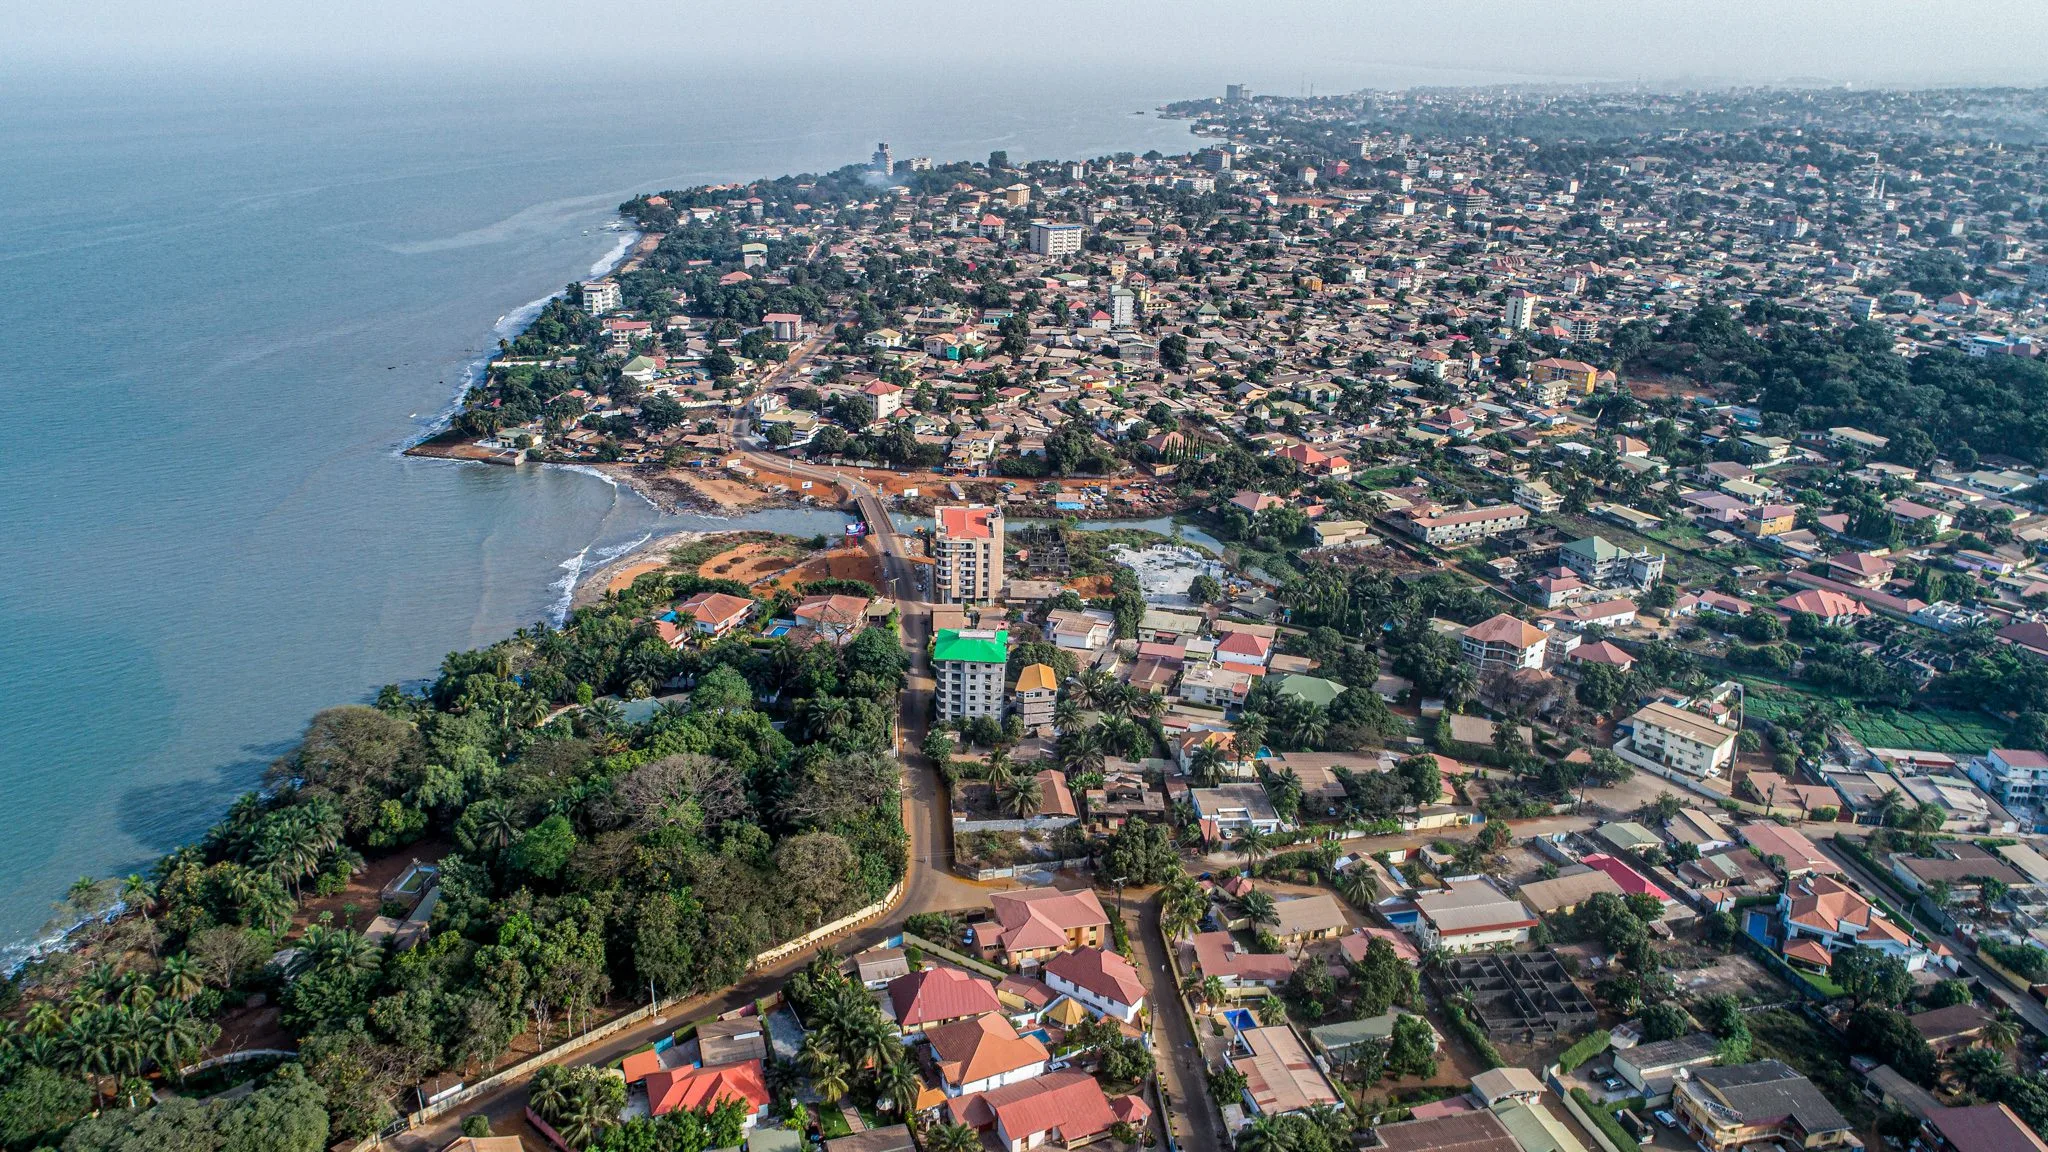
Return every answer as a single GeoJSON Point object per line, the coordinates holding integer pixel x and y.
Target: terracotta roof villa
{"type": "Point", "coordinates": [983, 1053]}
{"type": "Point", "coordinates": [938, 995]}
{"type": "Point", "coordinates": [1036, 922]}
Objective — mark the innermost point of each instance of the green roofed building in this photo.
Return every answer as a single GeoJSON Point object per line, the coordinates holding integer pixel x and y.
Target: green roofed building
{"type": "Point", "coordinates": [969, 665]}
{"type": "Point", "coordinates": [1314, 689]}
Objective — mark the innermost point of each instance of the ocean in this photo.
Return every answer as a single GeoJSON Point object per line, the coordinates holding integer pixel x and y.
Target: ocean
{"type": "Point", "coordinates": [230, 304]}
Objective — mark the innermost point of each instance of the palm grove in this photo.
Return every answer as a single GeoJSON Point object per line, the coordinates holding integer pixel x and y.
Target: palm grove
{"type": "Point", "coordinates": [591, 858]}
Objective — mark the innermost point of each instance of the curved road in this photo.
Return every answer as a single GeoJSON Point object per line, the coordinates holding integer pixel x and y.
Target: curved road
{"type": "Point", "coordinates": [929, 882]}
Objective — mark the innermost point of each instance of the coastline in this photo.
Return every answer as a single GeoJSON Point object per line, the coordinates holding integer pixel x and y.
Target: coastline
{"type": "Point", "coordinates": [647, 556]}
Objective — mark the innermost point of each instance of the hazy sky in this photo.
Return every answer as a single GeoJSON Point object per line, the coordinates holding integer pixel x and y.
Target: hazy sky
{"type": "Point", "coordinates": [1276, 45]}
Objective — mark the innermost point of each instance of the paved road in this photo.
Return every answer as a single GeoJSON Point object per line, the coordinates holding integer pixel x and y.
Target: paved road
{"type": "Point", "coordinates": [929, 884]}
{"type": "Point", "coordinates": [1197, 1127]}
{"type": "Point", "coordinates": [1995, 987]}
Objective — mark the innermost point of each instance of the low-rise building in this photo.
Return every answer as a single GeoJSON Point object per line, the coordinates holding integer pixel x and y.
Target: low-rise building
{"type": "Point", "coordinates": [1280, 1076]}
{"type": "Point", "coordinates": [1104, 981]}
{"type": "Point", "coordinates": [1679, 739]}
{"type": "Point", "coordinates": [1226, 809]}
{"type": "Point", "coordinates": [1599, 561]}
{"type": "Point", "coordinates": [1471, 914]}
{"type": "Point", "coordinates": [1037, 690]}
{"type": "Point", "coordinates": [983, 1053]}
{"type": "Point", "coordinates": [1651, 1068]}
{"type": "Point", "coordinates": [1450, 529]}
{"type": "Point", "coordinates": [1033, 923]}
{"type": "Point", "coordinates": [1502, 642]}
{"type": "Point", "coordinates": [1765, 1103]}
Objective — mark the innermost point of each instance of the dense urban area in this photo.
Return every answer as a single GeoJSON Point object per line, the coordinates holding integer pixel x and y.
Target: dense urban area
{"type": "Point", "coordinates": [1501, 620]}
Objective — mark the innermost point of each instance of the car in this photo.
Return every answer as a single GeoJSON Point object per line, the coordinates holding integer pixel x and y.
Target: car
{"type": "Point", "coordinates": [1665, 1118]}
{"type": "Point", "coordinates": [1612, 1083]}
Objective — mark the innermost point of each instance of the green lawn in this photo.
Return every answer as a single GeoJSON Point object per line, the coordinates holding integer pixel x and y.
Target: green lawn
{"type": "Point", "coordinates": [831, 1125]}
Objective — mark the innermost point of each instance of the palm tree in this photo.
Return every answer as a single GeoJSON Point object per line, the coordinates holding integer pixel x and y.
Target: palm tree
{"type": "Point", "coordinates": [42, 1019]}
{"type": "Point", "coordinates": [998, 771]}
{"type": "Point", "coordinates": [826, 716]}
{"type": "Point", "coordinates": [1359, 886]}
{"type": "Point", "coordinates": [1979, 1067]}
{"type": "Point", "coordinates": [176, 1035]}
{"type": "Point", "coordinates": [549, 1091]}
{"type": "Point", "coordinates": [1022, 795]}
{"type": "Point", "coordinates": [1251, 734]}
{"type": "Point", "coordinates": [1260, 907]}
{"type": "Point", "coordinates": [1268, 1134]}
{"type": "Point", "coordinates": [1213, 990]}
{"type": "Point", "coordinates": [495, 825]}
{"type": "Point", "coordinates": [1206, 765]}
{"type": "Point", "coordinates": [1891, 808]}
{"type": "Point", "coordinates": [1334, 1121]}
{"type": "Point", "coordinates": [328, 949]}
{"type": "Point", "coordinates": [1081, 751]}
{"type": "Point", "coordinates": [899, 1084]}
{"type": "Point", "coordinates": [952, 1138]}
{"type": "Point", "coordinates": [1253, 845]}
{"type": "Point", "coordinates": [2002, 1032]}
{"type": "Point", "coordinates": [1065, 714]}
{"type": "Point", "coordinates": [828, 1077]}
{"type": "Point", "coordinates": [289, 850]}
{"type": "Point", "coordinates": [138, 893]}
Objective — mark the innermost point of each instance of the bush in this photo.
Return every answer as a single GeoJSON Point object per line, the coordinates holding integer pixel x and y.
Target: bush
{"type": "Point", "coordinates": [1606, 1122]}
{"type": "Point", "coordinates": [1474, 1035]}
{"type": "Point", "coordinates": [1586, 1048]}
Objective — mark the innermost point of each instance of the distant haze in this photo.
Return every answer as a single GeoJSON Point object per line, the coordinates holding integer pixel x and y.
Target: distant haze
{"type": "Point", "coordinates": [1278, 46]}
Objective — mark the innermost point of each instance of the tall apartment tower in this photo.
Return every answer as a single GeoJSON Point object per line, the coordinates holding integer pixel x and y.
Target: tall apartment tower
{"type": "Point", "coordinates": [968, 552]}
{"type": "Point", "coordinates": [1055, 238]}
{"type": "Point", "coordinates": [1237, 93]}
{"type": "Point", "coordinates": [1522, 309]}
{"type": "Point", "coordinates": [1123, 307]}
{"type": "Point", "coordinates": [883, 161]}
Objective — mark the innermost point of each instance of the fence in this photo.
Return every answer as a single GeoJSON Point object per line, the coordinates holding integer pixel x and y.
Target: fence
{"type": "Point", "coordinates": [987, 874]}
{"type": "Point", "coordinates": [1571, 1105]}
{"type": "Point", "coordinates": [972, 965]}
{"type": "Point", "coordinates": [574, 1044]}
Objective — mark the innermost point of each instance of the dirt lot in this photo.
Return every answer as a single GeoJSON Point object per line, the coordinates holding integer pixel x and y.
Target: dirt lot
{"type": "Point", "coordinates": [1090, 587]}
{"type": "Point", "coordinates": [1736, 975]}
{"type": "Point", "coordinates": [853, 563]}
{"type": "Point", "coordinates": [631, 572]}
{"type": "Point", "coordinates": [751, 563]}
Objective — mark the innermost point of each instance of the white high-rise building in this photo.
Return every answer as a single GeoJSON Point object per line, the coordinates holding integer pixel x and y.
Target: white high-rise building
{"type": "Point", "coordinates": [1123, 307]}
{"type": "Point", "coordinates": [883, 161]}
{"type": "Point", "coordinates": [969, 666]}
{"type": "Point", "coordinates": [968, 554]}
{"type": "Point", "coordinates": [1522, 309]}
{"type": "Point", "coordinates": [600, 296]}
{"type": "Point", "coordinates": [1055, 238]}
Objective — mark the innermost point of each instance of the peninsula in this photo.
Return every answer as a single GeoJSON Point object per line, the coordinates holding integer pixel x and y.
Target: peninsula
{"type": "Point", "coordinates": [1614, 714]}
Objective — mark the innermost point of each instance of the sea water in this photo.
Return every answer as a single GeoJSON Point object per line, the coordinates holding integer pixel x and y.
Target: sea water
{"type": "Point", "coordinates": [228, 304]}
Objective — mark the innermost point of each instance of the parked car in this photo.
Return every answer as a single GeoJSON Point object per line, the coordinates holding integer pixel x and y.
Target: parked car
{"type": "Point", "coordinates": [1665, 1118]}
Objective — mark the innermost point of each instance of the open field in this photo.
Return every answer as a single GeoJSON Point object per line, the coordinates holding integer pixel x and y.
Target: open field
{"type": "Point", "coordinates": [1928, 729]}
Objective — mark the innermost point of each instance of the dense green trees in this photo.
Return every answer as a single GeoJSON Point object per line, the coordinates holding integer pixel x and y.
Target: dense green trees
{"type": "Point", "coordinates": [590, 854]}
{"type": "Point", "coordinates": [1820, 375]}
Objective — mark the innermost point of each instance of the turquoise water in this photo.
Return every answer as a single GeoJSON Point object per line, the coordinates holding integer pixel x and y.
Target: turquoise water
{"type": "Point", "coordinates": [228, 306]}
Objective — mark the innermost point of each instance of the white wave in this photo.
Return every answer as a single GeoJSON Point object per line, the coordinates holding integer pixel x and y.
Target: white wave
{"type": "Point", "coordinates": [509, 327]}
{"type": "Point", "coordinates": [13, 956]}
{"type": "Point", "coordinates": [572, 575]}
{"type": "Point", "coordinates": [587, 470]}
{"type": "Point", "coordinates": [611, 554]}
{"type": "Point", "coordinates": [611, 259]}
